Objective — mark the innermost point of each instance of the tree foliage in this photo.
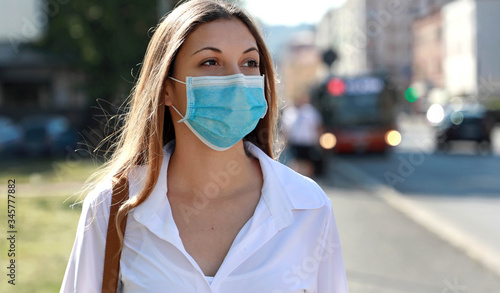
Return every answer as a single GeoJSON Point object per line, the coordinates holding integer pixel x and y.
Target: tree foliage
{"type": "Point", "coordinates": [103, 39]}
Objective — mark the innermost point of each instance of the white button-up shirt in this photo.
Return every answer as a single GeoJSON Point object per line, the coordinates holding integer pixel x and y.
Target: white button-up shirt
{"type": "Point", "coordinates": [290, 244]}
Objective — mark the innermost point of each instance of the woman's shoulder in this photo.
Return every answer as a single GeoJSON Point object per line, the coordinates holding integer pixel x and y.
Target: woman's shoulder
{"type": "Point", "coordinates": [100, 195]}
{"type": "Point", "coordinates": [103, 189]}
{"type": "Point", "coordinates": [303, 192]}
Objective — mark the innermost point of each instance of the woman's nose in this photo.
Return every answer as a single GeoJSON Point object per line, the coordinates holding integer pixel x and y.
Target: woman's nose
{"type": "Point", "coordinates": [232, 68]}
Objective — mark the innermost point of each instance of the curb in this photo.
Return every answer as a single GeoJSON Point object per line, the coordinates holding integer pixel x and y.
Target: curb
{"type": "Point", "coordinates": [444, 229]}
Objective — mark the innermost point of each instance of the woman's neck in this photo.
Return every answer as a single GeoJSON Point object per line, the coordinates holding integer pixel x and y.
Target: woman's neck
{"type": "Point", "coordinates": [195, 168]}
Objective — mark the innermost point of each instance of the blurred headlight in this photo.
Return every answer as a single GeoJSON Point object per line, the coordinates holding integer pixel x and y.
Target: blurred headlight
{"type": "Point", "coordinates": [327, 140]}
{"type": "Point", "coordinates": [393, 138]}
{"type": "Point", "coordinates": [457, 117]}
{"type": "Point", "coordinates": [435, 114]}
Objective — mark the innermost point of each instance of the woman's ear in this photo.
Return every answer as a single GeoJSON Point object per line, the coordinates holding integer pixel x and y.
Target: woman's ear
{"type": "Point", "coordinates": [168, 93]}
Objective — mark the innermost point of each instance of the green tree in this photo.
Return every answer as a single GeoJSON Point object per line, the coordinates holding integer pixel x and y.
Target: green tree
{"type": "Point", "coordinates": [106, 40]}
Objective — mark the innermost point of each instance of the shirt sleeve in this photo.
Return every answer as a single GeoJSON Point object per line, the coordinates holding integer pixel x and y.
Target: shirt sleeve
{"type": "Point", "coordinates": [86, 262]}
{"type": "Point", "coordinates": [331, 274]}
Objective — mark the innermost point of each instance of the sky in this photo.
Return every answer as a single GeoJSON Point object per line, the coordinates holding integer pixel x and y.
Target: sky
{"type": "Point", "coordinates": [290, 12]}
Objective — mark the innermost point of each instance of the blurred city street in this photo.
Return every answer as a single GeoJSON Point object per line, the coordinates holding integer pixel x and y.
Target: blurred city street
{"type": "Point", "coordinates": [416, 220]}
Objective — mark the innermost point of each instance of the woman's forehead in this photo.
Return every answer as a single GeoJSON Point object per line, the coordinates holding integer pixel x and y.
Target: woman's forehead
{"type": "Point", "coordinates": [224, 33]}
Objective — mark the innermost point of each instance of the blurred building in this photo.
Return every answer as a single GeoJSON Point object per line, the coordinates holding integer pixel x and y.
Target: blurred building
{"type": "Point", "coordinates": [22, 21]}
{"type": "Point", "coordinates": [31, 81]}
{"type": "Point", "coordinates": [369, 36]}
{"type": "Point", "coordinates": [457, 49]}
{"type": "Point", "coordinates": [337, 31]}
{"type": "Point", "coordinates": [471, 58]}
{"type": "Point", "coordinates": [428, 76]}
{"type": "Point", "coordinates": [428, 7]}
{"type": "Point", "coordinates": [300, 65]}
{"type": "Point", "coordinates": [428, 51]}
{"type": "Point", "coordinates": [373, 36]}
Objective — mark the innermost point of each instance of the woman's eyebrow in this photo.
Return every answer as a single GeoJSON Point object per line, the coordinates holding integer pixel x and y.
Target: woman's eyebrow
{"type": "Point", "coordinates": [208, 48]}
{"type": "Point", "coordinates": [250, 50]}
{"type": "Point", "coordinates": [220, 51]}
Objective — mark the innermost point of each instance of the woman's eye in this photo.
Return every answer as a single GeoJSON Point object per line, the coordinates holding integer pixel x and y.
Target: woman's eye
{"type": "Point", "coordinates": [210, 62]}
{"type": "Point", "coordinates": [251, 63]}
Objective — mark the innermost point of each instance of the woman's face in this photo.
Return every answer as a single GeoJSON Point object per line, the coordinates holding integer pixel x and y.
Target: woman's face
{"type": "Point", "coordinates": [221, 47]}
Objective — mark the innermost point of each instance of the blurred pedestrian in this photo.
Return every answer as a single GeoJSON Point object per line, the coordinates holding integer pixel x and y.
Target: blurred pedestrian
{"type": "Point", "coordinates": [209, 209]}
{"type": "Point", "coordinates": [303, 126]}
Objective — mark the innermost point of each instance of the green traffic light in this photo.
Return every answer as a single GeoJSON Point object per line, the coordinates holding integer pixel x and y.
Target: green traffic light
{"type": "Point", "coordinates": [411, 95]}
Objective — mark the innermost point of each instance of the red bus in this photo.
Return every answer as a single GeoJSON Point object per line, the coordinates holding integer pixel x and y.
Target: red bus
{"type": "Point", "coordinates": [358, 114]}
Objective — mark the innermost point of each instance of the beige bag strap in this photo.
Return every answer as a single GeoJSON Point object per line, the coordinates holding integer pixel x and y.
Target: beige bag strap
{"type": "Point", "coordinates": [111, 258]}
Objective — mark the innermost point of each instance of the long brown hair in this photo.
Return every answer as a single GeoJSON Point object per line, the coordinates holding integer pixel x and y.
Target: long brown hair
{"type": "Point", "coordinates": [148, 126]}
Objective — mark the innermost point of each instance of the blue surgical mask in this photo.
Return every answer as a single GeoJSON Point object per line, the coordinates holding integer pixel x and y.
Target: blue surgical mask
{"type": "Point", "coordinates": [222, 110]}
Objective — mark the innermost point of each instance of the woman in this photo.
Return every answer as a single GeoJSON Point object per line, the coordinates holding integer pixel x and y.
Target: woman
{"type": "Point", "coordinates": [209, 210]}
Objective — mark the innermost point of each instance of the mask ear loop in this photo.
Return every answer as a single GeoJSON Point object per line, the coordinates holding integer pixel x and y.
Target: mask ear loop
{"type": "Point", "coordinates": [181, 120]}
{"type": "Point", "coordinates": [176, 80]}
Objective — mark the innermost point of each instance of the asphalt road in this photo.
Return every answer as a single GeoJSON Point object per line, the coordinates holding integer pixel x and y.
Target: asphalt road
{"type": "Point", "coordinates": [384, 251]}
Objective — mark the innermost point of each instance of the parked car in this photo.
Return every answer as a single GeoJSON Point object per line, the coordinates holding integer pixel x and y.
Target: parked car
{"type": "Point", "coordinates": [469, 123]}
{"type": "Point", "coordinates": [48, 135]}
{"type": "Point", "coordinates": [10, 137]}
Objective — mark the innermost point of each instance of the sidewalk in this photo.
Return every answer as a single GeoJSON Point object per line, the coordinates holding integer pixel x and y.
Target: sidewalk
{"type": "Point", "coordinates": [469, 224]}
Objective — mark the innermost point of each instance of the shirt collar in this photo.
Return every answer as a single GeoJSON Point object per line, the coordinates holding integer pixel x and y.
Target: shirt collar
{"type": "Point", "coordinates": [276, 196]}
{"type": "Point", "coordinates": [150, 206]}
{"type": "Point", "coordinates": [273, 192]}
